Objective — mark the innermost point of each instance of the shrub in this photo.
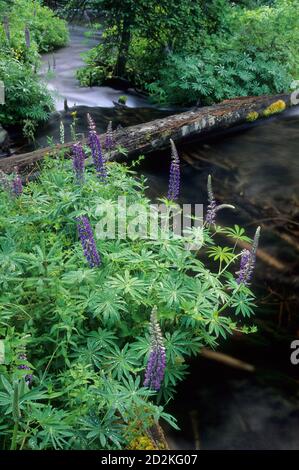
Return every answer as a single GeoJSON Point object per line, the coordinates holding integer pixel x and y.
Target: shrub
{"type": "Point", "coordinates": [27, 100]}
{"type": "Point", "coordinates": [213, 76]}
{"type": "Point", "coordinates": [273, 30]}
{"type": "Point", "coordinates": [234, 51]}
{"type": "Point", "coordinates": [47, 30]}
{"type": "Point", "coordinates": [99, 66]}
{"type": "Point", "coordinates": [83, 332]}
{"type": "Point", "coordinates": [258, 56]}
{"type": "Point", "coordinates": [141, 62]}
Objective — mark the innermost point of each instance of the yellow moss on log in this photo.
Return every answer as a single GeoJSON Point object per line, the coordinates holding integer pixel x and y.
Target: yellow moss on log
{"type": "Point", "coordinates": [142, 443]}
{"type": "Point", "coordinates": [274, 108]}
{"type": "Point", "coordinates": [252, 116]}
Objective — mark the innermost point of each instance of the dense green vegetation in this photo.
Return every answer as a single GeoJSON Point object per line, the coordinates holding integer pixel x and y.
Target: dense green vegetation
{"type": "Point", "coordinates": [27, 29]}
{"type": "Point", "coordinates": [96, 332]}
{"type": "Point", "coordinates": [202, 52]}
{"type": "Point", "coordinates": [207, 51]}
{"type": "Point", "coordinates": [76, 337]}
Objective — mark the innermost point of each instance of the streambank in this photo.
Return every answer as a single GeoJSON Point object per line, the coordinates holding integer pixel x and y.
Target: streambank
{"type": "Point", "coordinates": [255, 168]}
{"type": "Point", "coordinates": [58, 71]}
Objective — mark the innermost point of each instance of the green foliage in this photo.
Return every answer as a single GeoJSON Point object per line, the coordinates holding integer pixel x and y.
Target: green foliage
{"type": "Point", "coordinates": [27, 100]}
{"type": "Point", "coordinates": [254, 58]}
{"type": "Point", "coordinates": [206, 52]}
{"type": "Point", "coordinates": [100, 62]}
{"type": "Point", "coordinates": [136, 35]}
{"type": "Point", "coordinates": [216, 75]}
{"type": "Point", "coordinates": [47, 30]}
{"type": "Point", "coordinates": [123, 99]}
{"type": "Point", "coordinates": [85, 331]}
{"type": "Point", "coordinates": [270, 29]}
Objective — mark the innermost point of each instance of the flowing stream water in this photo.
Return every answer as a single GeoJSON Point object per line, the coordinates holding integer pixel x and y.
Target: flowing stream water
{"type": "Point", "coordinates": [256, 168]}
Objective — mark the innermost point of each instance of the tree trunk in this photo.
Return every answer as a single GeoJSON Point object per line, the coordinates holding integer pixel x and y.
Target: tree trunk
{"type": "Point", "coordinates": [154, 135]}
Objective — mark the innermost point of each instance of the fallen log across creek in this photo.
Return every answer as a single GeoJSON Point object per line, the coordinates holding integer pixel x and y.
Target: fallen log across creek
{"type": "Point", "coordinates": [145, 138]}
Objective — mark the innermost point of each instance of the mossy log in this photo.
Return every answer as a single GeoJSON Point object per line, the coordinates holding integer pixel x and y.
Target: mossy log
{"type": "Point", "coordinates": [154, 135]}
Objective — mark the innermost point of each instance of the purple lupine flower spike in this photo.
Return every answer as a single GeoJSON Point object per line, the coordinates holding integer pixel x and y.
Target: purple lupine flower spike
{"type": "Point", "coordinates": [174, 177]}
{"type": "Point", "coordinates": [96, 150]}
{"type": "Point", "coordinates": [28, 377]}
{"type": "Point", "coordinates": [78, 162]}
{"type": "Point", "coordinates": [88, 242]}
{"type": "Point", "coordinates": [27, 37]}
{"type": "Point", "coordinates": [213, 208]}
{"type": "Point", "coordinates": [17, 186]}
{"type": "Point", "coordinates": [156, 363]}
{"type": "Point", "coordinates": [211, 213]}
{"type": "Point", "coordinates": [109, 141]}
{"type": "Point", "coordinates": [6, 28]}
{"type": "Point", "coordinates": [247, 262]}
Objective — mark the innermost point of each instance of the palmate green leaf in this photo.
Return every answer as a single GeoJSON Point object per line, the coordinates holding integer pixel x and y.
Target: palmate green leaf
{"type": "Point", "coordinates": [172, 291]}
{"type": "Point", "coordinates": [104, 338]}
{"type": "Point", "coordinates": [160, 414]}
{"type": "Point", "coordinates": [243, 304]}
{"type": "Point", "coordinates": [133, 393]}
{"type": "Point", "coordinates": [219, 326]}
{"type": "Point", "coordinates": [26, 396]}
{"type": "Point", "coordinates": [33, 395]}
{"type": "Point", "coordinates": [207, 339]}
{"type": "Point", "coordinates": [128, 285]}
{"type": "Point", "coordinates": [11, 260]}
{"type": "Point", "coordinates": [55, 431]}
{"type": "Point", "coordinates": [91, 353]}
{"type": "Point", "coordinates": [174, 373]}
{"type": "Point", "coordinates": [107, 430]}
{"type": "Point", "coordinates": [120, 362]}
{"type": "Point", "coordinates": [80, 276]}
{"type": "Point", "coordinates": [141, 347]}
{"type": "Point", "coordinates": [176, 255]}
{"type": "Point", "coordinates": [237, 233]}
{"type": "Point", "coordinates": [209, 290]}
{"type": "Point", "coordinates": [66, 204]}
{"type": "Point", "coordinates": [116, 251]}
{"type": "Point", "coordinates": [223, 254]}
{"type": "Point", "coordinates": [111, 392]}
{"type": "Point", "coordinates": [140, 259]}
{"type": "Point", "coordinates": [107, 305]}
{"type": "Point", "coordinates": [179, 344]}
{"type": "Point", "coordinates": [192, 319]}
